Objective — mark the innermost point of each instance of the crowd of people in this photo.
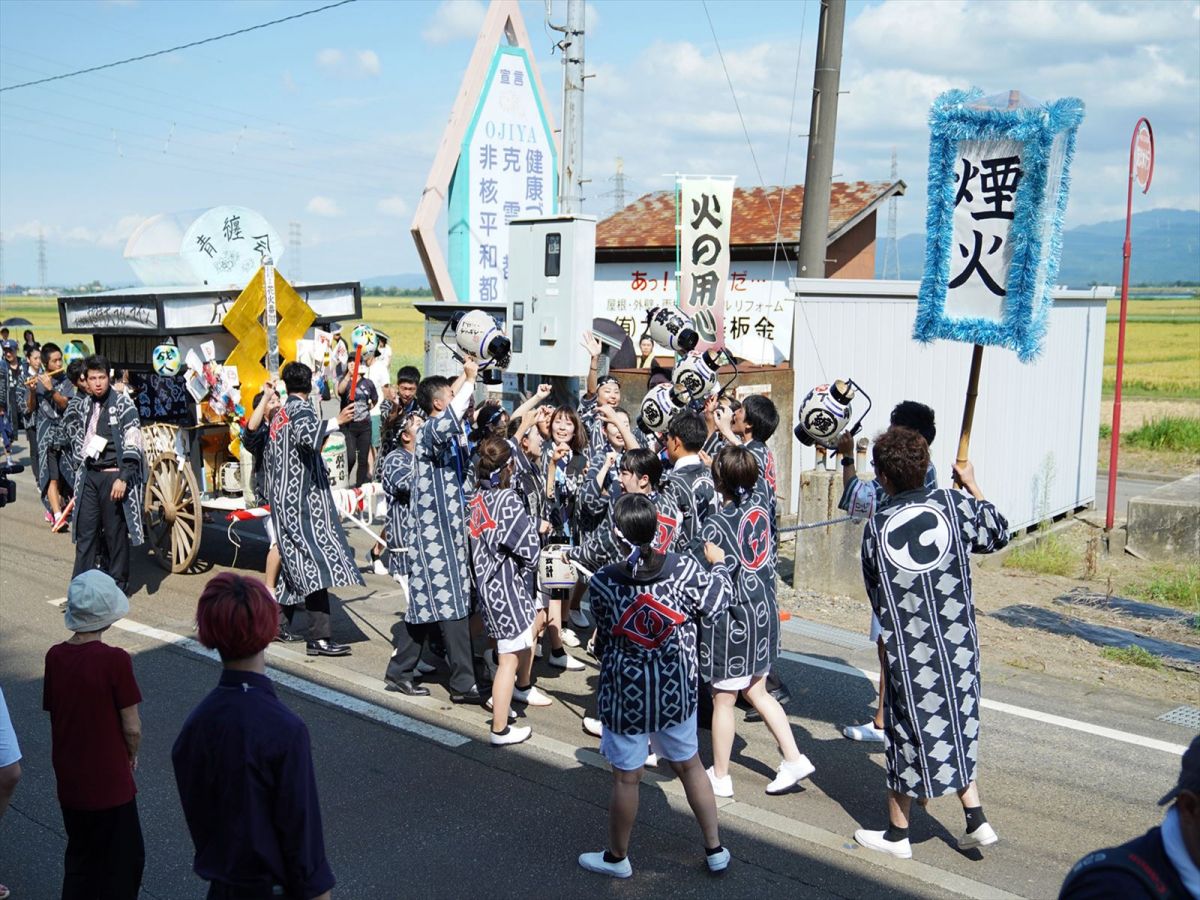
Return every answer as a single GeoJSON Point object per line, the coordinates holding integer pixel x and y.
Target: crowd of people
{"type": "Point", "coordinates": [672, 537]}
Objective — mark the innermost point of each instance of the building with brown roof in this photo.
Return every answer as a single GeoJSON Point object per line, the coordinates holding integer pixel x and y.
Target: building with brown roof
{"type": "Point", "coordinates": [644, 231]}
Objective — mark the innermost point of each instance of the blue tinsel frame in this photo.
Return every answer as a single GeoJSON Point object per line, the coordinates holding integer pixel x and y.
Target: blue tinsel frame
{"type": "Point", "coordinates": [951, 120]}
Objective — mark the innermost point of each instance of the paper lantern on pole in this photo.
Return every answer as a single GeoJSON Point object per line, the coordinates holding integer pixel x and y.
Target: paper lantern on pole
{"type": "Point", "coordinates": [998, 180]}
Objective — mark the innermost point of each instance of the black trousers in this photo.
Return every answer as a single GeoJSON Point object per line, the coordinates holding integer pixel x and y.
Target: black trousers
{"type": "Point", "coordinates": [105, 853]}
{"type": "Point", "coordinates": [358, 449]}
{"type": "Point", "coordinates": [317, 607]}
{"type": "Point", "coordinates": [408, 639]}
{"type": "Point", "coordinates": [99, 519]}
{"type": "Point", "coordinates": [31, 434]}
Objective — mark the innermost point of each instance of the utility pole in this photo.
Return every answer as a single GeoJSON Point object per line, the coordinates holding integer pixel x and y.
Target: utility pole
{"type": "Point", "coordinates": [42, 260]}
{"type": "Point", "coordinates": [822, 129]}
{"type": "Point", "coordinates": [570, 181]}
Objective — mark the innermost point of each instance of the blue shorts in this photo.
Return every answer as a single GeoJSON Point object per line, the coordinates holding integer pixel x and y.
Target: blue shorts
{"type": "Point", "coordinates": [628, 752]}
{"type": "Point", "coordinates": [10, 752]}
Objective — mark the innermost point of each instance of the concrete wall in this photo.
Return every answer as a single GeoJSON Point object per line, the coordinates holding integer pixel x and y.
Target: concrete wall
{"type": "Point", "coordinates": [1164, 525]}
{"type": "Point", "coordinates": [853, 254]}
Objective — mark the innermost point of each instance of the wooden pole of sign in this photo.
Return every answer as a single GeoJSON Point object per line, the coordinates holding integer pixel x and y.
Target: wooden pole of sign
{"type": "Point", "coordinates": [964, 436]}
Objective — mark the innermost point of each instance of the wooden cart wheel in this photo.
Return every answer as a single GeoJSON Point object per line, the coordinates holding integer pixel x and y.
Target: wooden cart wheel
{"type": "Point", "coordinates": [173, 518]}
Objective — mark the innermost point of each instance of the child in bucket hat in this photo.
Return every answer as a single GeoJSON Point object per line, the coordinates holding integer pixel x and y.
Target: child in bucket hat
{"type": "Point", "coordinates": [92, 697]}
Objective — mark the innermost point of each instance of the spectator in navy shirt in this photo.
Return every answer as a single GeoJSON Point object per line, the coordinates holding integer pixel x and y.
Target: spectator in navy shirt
{"type": "Point", "coordinates": [243, 763]}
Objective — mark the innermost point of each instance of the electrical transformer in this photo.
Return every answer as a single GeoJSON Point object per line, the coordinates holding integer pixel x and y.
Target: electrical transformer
{"type": "Point", "coordinates": [551, 272]}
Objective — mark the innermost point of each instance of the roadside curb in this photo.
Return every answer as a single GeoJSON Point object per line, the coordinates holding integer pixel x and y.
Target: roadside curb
{"type": "Point", "coordinates": [1143, 476]}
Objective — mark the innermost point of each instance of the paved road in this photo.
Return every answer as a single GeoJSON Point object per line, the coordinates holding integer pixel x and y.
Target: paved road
{"type": "Point", "coordinates": [415, 802]}
{"type": "Point", "coordinates": [1127, 488]}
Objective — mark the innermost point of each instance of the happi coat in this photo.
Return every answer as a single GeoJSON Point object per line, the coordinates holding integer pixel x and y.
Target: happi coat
{"type": "Point", "coordinates": [47, 422]}
{"type": "Point", "coordinates": [601, 545]}
{"type": "Point", "coordinates": [916, 559]}
{"type": "Point", "coordinates": [646, 639]}
{"type": "Point", "coordinates": [743, 639]}
{"type": "Point", "coordinates": [439, 584]}
{"type": "Point", "coordinates": [504, 548]}
{"type": "Point", "coordinates": [312, 545]}
{"type": "Point", "coordinates": [73, 425]}
{"type": "Point", "coordinates": [126, 436]}
{"type": "Point", "coordinates": [691, 488]}
{"type": "Point", "coordinates": [396, 477]}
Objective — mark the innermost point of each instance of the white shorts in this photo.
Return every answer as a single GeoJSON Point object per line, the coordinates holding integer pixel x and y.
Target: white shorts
{"type": "Point", "coordinates": [523, 641]}
{"type": "Point", "coordinates": [733, 684]}
{"type": "Point", "coordinates": [270, 526]}
{"type": "Point", "coordinates": [628, 752]}
{"type": "Point", "coordinates": [876, 628]}
{"type": "Point", "coordinates": [10, 751]}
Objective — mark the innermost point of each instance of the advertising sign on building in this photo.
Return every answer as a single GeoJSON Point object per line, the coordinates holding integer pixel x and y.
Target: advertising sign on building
{"type": "Point", "coordinates": [758, 309]}
{"type": "Point", "coordinates": [507, 169]}
{"type": "Point", "coordinates": [705, 212]}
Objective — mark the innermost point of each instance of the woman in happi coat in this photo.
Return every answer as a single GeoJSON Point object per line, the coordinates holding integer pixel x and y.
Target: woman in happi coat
{"type": "Point", "coordinates": [504, 548]}
{"type": "Point", "coordinates": [396, 471]}
{"type": "Point", "coordinates": [739, 645]}
{"type": "Point", "coordinates": [313, 550]}
{"type": "Point", "coordinates": [565, 460]}
{"type": "Point", "coordinates": [916, 559]}
{"type": "Point", "coordinates": [646, 608]}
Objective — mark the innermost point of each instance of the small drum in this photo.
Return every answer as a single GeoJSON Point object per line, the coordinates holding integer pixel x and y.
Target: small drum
{"type": "Point", "coordinates": [334, 455]}
{"type": "Point", "coordinates": [554, 573]}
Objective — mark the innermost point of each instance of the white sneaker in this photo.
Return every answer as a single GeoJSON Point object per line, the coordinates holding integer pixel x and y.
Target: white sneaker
{"type": "Point", "coordinates": [595, 862]}
{"type": "Point", "coordinates": [873, 840]}
{"type": "Point", "coordinates": [512, 716]}
{"type": "Point", "coordinates": [490, 661]}
{"type": "Point", "coordinates": [424, 668]}
{"type": "Point", "coordinates": [717, 862]}
{"type": "Point", "coordinates": [652, 761]}
{"type": "Point", "coordinates": [566, 661]}
{"type": "Point", "coordinates": [570, 638]}
{"type": "Point", "coordinates": [983, 836]}
{"type": "Point", "coordinates": [867, 732]}
{"type": "Point", "coordinates": [578, 619]}
{"type": "Point", "coordinates": [380, 567]}
{"type": "Point", "coordinates": [791, 774]}
{"type": "Point", "coordinates": [722, 787]}
{"type": "Point", "coordinates": [591, 726]}
{"type": "Point", "coordinates": [531, 697]}
{"type": "Point", "coordinates": [513, 734]}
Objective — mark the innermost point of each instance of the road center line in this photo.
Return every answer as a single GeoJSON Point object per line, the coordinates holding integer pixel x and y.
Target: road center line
{"type": "Point", "coordinates": [1112, 734]}
{"type": "Point", "coordinates": [322, 694]}
{"type": "Point", "coordinates": [792, 828]}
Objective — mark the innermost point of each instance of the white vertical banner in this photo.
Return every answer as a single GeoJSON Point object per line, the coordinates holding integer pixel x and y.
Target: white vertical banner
{"type": "Point", "coordinates": [705, 213]}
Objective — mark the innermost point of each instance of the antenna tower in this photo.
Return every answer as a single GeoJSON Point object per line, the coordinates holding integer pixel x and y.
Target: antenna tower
{"type": "Point", "coordinates": [294, 251]}
{"type": "Point", "coordinates": [891, 250]}
{"type": "Point", "coordinates": [618, 192]}
{"type": "Point", "coordinates": [41, 245]}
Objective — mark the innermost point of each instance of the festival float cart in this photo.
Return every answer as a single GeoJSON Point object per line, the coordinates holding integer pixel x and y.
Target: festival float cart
{"type": "Point", "coordinates": [212, 322]}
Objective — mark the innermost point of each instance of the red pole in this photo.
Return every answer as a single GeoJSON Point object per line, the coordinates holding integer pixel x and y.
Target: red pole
{"type": "Point", "coordinates": [1126, 250]}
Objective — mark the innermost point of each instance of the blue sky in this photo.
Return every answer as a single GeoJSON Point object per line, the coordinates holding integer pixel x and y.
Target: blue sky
{"type": "Point", "coordinates": [333, 120]}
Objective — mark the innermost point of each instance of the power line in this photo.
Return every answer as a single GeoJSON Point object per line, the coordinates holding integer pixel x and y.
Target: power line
{"type": "Point", "coordinates": [219, 37]}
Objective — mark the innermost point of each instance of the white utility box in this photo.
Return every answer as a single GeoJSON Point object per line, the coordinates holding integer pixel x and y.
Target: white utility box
{"type": "Point", "coordinates": [552, 267]}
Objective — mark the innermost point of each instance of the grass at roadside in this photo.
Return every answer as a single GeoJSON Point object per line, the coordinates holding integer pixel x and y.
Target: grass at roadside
{"type": "Point", "coordinates": [1049, 555]}
{"type": "Point", "coordinates": [1133, 656]}
{"type": "Point", "coordinates": [1166, 433]}
{"type": "Point", "coordinates": [1178, 587]}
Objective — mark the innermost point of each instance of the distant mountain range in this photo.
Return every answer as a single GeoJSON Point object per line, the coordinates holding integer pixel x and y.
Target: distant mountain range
{"type": "Point", "coordinates": [408, 282]}
{"type": "Point", "coordinates": [1166, 248]}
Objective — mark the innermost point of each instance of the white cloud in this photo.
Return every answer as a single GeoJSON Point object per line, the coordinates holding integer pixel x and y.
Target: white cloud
{"type": "Point", "coordinates": [330, 58]}
{"type": "Point", "coordinates": [113, 234]}
{"type": "Point", "coordinates": [368, 62]}
{"type": "Point", "coordinates": [323, 206]}
{"type": "Point", "coordinates": [455, 20]}
{"type": "Point", "coordinates": [349, 63]}
{"type": "Point", "coordinates": [393, 206]}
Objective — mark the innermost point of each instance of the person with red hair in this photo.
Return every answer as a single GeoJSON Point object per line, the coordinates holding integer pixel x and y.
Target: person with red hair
{"type": "Point", "coordinates": [243, 763]}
